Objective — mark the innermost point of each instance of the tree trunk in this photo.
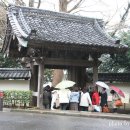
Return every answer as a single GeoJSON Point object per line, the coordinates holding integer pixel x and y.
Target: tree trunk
{"type": "Point", "coordinates": [63, 5]}
{"type": "Point", "coordinates": [31, 3]}
{"type": "Point", "coordinates": [57, 76]}
{"type": "Point", "coordinates": [95, 72]}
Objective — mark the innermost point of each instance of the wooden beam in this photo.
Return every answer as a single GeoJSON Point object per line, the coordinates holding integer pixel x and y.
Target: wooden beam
{"type": "Point", "coordinates": [65, 63]}
{"type": "Point", "coordinates": [69, 62]}
{"type": "Point", "coordinates": [95, 72]}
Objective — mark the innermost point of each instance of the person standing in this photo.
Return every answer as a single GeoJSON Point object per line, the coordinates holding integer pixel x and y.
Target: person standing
{"type": "Point", "coordinates": [85, 100]}
{"type": "Point", "coordinates": [46, 97]}
{"type": "Point", "coordinates": [115, 97]}
{"type": "Point", "coordinates": [54, 95]}
{"type": "Point", "coordinates": [96, 100]}
{"type": "Point", "coordinates": [74, 99]}
{"type": "Point", "coordinates": [64, 96]}
{"type": "Point", "coordinates": [104, 96]}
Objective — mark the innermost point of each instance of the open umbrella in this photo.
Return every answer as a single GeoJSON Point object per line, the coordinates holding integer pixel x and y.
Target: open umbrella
{"type": "Point", "coordinates": [117, 90]}
{"type": "Point", "coordinates": [65, 84]}
{"type": "Point", "coordinates": [46, 84]}
{"type": "Point", "coordinates": [102, 84]}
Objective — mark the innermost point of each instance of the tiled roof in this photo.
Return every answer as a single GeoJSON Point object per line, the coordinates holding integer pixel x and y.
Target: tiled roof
{"type": "Point", "coordinates": [59, 28]}
{"type": "Point", "coordinates": [118, 77]}
{"type": "Point", "coordinates": [15, 73]}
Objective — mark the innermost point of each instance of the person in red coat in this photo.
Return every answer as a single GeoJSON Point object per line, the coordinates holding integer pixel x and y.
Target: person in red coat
{"type": "Point", "coordinates": [95, 99]}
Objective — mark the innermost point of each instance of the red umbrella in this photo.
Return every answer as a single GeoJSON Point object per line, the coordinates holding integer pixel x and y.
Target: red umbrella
{"type": "Point", "coordinates": [119, 91]}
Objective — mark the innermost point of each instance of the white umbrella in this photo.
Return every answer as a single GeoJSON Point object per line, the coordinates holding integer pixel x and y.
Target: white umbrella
{"type": "Point", "coordinates": [49, 83]}
{"type": "Point", "coordinates": [65, 84]}
{"type": "Point", "coordinates": [102, 84]}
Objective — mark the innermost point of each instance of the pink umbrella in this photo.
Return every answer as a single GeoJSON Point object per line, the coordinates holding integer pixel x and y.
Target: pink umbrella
{"type": "Point", "coordinates": [119, 91]}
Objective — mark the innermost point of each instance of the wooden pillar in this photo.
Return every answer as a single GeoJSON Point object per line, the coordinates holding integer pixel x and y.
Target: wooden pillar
{"type": "Point", "coordinates": [95, 72]}
{"type": "Point", "coordinates": [72, 75]}
{"type": "Point", "coordinates": [34, 82]}
{"type": "Point", "coordinates": [82, 77]}
{"type": "Point", "coordinates": [40, 85]}
{"type": "Point", "coordinates": [77, 74]}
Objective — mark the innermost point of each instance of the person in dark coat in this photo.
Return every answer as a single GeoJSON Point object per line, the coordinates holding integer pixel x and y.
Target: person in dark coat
{"type": "Point", "coordinates": [104, 96]}
{"type": "Point", "coordinates": [46, 97]}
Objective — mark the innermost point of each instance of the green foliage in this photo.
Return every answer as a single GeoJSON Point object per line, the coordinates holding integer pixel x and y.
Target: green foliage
{"type": "Point", "coordinates": [118, 63]}
{"type": "Point", "coordinates": [17, 98]}
{"type": "Point", "coordinates": [6, 62]}
{"type": "Point", "coordinates": [48, 75]}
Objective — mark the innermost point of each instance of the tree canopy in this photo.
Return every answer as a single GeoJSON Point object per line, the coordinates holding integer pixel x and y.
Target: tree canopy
{"type": "Point", "coordinates": [6, 62]}
{"type": "Point", "coordinates": [116, 62]}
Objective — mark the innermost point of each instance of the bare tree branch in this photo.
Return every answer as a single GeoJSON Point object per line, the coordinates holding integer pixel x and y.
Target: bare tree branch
{"type": "Point", "coordinates": [3, 9]}
{"type": "Point", "coordinates": [75, 6]}
{"type": "Point", "coordinates": [69, 1]}
{"type": "Point", "coordinates": [4, 4]}
{"type": "Point", "coordinates": [20, 2]}
{"type": "Point", "coordinates": [39, 3]}
{"type": "Point", "coordinates": [122, 21]}
{"type": "Point", "coordinates": [110, 18]}
{"type": "Point", "coordinates": [17, 2]}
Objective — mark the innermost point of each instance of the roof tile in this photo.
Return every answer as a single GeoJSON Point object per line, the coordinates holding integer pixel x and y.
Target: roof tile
{"type": "Point", "coordinates": [61, 28]}
{"type": "Point", "coordinates": [14, 73]}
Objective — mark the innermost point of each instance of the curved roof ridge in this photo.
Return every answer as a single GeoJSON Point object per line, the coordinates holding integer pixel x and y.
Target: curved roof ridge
{"type": "Point", "coordinates": [17, 30]}
{"type": "Point", "coordinates": [24, 23]}
{"type": "Point", "coordinates": [102, 31]}
{"type": "Point", "coordinates": [16, 27]}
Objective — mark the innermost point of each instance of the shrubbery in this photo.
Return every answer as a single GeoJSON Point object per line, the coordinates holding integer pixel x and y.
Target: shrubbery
{"type": "Point", "coordinates": [17, 98]}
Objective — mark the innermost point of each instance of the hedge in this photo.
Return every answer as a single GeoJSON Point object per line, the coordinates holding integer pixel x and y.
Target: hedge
{"type": "Point", "coordinates": [17, 98]}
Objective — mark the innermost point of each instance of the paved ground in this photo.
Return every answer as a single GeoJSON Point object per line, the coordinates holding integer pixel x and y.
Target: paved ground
{"type": "Point", "coordinates": [77, 113]}
{"type": "Point", "coordinates": [35, 121]}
